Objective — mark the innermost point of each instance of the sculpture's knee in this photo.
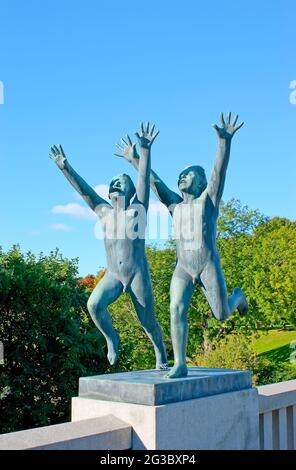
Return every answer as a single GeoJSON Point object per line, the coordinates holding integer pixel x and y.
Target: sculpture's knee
{"type": "Point", "coordinates": [90, 305]}
{"type": "Point", "coordinates": [178, 312]}
{"type": "Point", "coordinates": [221, 313]}
{"type": "Point", "coordinates": [94, 306]}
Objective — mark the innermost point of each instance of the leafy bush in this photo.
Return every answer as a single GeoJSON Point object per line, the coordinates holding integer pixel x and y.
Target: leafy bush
{"type": "Point", "coordinates": [48, 339]}
{"type": "Point", "coordinates": [274, 373]}
{"type": "Point", "coordinates": [233, 352]}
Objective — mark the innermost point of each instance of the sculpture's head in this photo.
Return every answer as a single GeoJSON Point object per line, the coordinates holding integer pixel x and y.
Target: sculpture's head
{"type": "Point", "coordinates": [121, 185]}
{"type": "Point", "coordinates": [192, 180]}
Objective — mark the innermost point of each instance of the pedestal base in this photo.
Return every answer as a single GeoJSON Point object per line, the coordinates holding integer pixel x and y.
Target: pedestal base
{"type": "Point", "coordinates": [151, 387]}
{"type": "Point", "coordinates": [225, 419]}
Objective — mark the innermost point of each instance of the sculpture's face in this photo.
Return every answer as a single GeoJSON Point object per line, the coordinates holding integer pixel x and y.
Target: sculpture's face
{"type": "Point", "coordinates": [192, 180]}
{"type": "Point", "coordinates": [121, 185]}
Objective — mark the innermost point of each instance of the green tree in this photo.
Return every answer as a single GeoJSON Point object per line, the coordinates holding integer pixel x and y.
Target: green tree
{"type": "Point", "coordinates": [48, 339]}
{"type": "Point", "coordinates": [271, 271]}
{"type": "Point", "coordinates": [236, 219]}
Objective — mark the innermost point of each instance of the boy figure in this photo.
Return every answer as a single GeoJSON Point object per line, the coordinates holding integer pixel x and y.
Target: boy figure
{"type": "Point", "coordinates": [198, 262]}
{"type": "Point", "coordinates": [127, 266]}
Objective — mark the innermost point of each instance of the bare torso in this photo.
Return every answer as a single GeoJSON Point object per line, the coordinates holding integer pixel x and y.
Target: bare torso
{"type": "Point", "coordinates": [125, 248]}
{"type": "Point", "coordinates": [195, 226]}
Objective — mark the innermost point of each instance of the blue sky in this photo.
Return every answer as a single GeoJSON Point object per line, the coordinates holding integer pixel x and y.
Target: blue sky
{"type": "Point", "coordinates": [85, 73]}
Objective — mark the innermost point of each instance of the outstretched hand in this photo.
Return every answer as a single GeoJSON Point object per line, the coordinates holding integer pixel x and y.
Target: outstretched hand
{"type": "Point", "coordinates": [126, 149]}
{"type": "Point", "coordinates": [227, 130]}
{"type": "Point", "coordinates": [146, 136]}
{"type": "Point", "coordinates": [57, 154]}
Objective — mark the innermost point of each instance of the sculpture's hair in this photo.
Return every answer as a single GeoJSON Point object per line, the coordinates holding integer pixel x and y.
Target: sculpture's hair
{"type": "Point", "coordinates": [133, 189]}
{"type": "Point", "coordinates": [199, 170]}
{"type": "Point", "coordinates": [132, 186]}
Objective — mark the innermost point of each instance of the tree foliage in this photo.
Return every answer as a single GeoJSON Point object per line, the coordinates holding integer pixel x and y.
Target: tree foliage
{"type": "Point", "coordinates": [236, 219]}
{"type": "Point", "coordinates": [272, 271]}
{"type": "Point", "coordinates": [48, 340]}
{"type": "Point", "coordinates": [233, 352]}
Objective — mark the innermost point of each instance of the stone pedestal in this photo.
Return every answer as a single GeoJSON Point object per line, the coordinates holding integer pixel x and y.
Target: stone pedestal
{"type": "Point", "coordinates": [209, 409]}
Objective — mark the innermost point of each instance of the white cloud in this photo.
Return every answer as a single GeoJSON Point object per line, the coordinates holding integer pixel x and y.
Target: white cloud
{"type": "Point", "coordinates": [76, 210]}
{"type": "Point", "coordinates": [62, 227]}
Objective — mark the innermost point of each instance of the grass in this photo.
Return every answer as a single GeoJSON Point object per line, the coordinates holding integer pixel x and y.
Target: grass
{"type": "Point", "coordinates": [275, 345]}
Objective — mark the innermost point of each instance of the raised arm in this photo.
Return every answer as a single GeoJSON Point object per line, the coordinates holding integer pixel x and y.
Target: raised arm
{"type": "Point", "coordinates": [225, 134]}
{"type": "Point", "coordinates": [93, 200]}
{"type": "Point", "coordinates": [145, 140]}
{"type": "Point", "coordinates": [126, 149]}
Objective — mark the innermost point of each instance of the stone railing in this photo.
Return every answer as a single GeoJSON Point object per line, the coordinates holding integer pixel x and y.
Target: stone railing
{"type": "Point", "coordinates": [277, 416]}
{"type": "Point", "coordinates": [102, 433]}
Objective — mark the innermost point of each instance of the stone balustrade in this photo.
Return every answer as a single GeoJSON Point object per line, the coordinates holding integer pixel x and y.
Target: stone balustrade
{"type": "Point", "coordinates": [277, 416]}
